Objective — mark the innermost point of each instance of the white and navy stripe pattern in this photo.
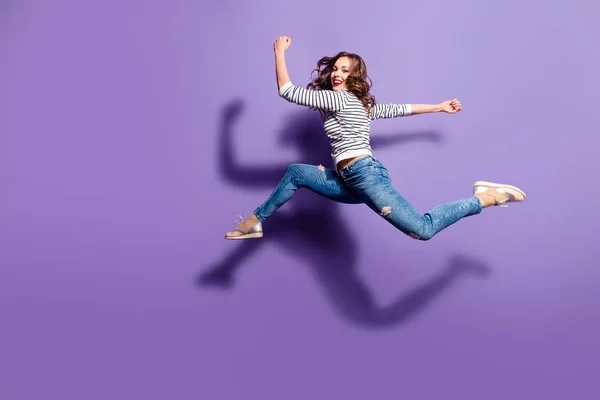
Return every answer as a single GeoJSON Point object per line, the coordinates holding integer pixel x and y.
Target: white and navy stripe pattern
{"type": "Point", "coordinates": [347, 123]}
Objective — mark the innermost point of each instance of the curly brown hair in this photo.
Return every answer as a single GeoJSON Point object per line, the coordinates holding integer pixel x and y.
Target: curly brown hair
{"type": "Point", "coordinates": [358, 82]}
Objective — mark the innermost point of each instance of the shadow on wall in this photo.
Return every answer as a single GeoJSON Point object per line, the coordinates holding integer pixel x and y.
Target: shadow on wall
{"type": "Point", "coordinates": [310, 227]}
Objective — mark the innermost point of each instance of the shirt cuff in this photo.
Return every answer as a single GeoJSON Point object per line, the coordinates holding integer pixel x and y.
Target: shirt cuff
{"type": "Point", "coordinates": [283, 88]}
{"type": "Point", "coordinates": [408, 109]}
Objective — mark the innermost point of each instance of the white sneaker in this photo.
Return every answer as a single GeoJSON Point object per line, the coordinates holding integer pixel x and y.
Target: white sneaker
{"type": "Point", "coordinates": [500, 192]}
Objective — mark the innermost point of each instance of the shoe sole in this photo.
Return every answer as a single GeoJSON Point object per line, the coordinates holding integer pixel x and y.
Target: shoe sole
{"type": "Point", "coordinates": [256, 235]}
{"type": "Point", "coordinates": [498, 185]}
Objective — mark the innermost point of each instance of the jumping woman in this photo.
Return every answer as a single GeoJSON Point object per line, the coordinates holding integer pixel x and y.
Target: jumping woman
{"type": "Point", "coordinates": [341, 93]}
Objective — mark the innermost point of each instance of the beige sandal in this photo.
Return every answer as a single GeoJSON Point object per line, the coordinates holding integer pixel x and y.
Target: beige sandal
{"type": "Point", "coordinates": [501, 193]}
{"type": "Point", "coordinates": [254, 232]}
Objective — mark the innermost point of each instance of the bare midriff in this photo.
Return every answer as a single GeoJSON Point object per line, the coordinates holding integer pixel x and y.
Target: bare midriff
{"type": "Point", "coordinates": [344, 163]}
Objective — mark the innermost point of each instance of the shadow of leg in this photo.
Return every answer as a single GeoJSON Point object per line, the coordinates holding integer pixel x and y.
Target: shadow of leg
{"type": "Point", "coordinates": [222, 274]}
{"type": "Point", "coordinates": [415, 301]}
{"type": "Point", "coordinates": [283, 229]}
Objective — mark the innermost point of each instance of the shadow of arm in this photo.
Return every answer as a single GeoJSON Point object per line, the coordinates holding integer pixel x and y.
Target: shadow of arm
{"type": "Point", "coordinates": [229, 168]}
{"type": "Point", "coordinates": [426, 136]}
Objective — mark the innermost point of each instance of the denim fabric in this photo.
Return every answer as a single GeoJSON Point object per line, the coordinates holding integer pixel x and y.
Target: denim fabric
{"type": "Point", "coordinates": [367, 181]}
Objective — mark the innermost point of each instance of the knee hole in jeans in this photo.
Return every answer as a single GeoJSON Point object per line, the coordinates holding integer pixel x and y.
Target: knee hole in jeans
{"type": "Point", "coordinates": [387, 210]}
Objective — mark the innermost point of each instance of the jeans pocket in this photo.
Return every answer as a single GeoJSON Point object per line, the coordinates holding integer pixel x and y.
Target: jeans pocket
{"type": "Point", "coordinates": [365, 177]}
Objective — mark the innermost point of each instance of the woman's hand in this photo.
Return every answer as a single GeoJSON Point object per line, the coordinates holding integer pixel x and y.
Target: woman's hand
{"type": "Point", "coordinates": [451, 106]}
{"type": "Point", "coordinates": [281, 44]}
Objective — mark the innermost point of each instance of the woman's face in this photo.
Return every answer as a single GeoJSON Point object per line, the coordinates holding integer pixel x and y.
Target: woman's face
{"type": "Point", "coordinates": [340, 72]}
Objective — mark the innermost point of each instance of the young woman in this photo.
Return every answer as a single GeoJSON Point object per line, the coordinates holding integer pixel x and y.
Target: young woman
{"type": "Point", "coordinates": [341, 94]}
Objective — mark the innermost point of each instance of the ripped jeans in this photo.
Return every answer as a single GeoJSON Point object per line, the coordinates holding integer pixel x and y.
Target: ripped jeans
{"type": "Point", "coordinates": [366, 181]}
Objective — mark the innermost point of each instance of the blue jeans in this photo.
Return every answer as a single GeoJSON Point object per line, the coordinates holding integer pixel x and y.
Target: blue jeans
{"type": "Point", "coordinates": [366, 181]}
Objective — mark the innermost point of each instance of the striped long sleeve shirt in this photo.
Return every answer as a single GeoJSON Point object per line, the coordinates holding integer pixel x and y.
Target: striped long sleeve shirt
{"type": "Point", "coordinates": [347, 123]}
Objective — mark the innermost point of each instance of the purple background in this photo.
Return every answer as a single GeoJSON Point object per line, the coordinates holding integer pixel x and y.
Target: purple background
{"type": "Point", "coordinates": [132, 133]}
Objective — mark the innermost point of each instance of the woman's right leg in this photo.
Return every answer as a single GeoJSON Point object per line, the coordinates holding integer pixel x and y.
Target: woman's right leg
{"type": "Point", "coordinates": [318, 179]}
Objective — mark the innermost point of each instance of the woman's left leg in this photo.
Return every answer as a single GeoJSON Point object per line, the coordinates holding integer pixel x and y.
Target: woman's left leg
{"type": "Point", "coordinates": [396, 210]}
{"type": "Point", "coordinates": [371, 184]}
